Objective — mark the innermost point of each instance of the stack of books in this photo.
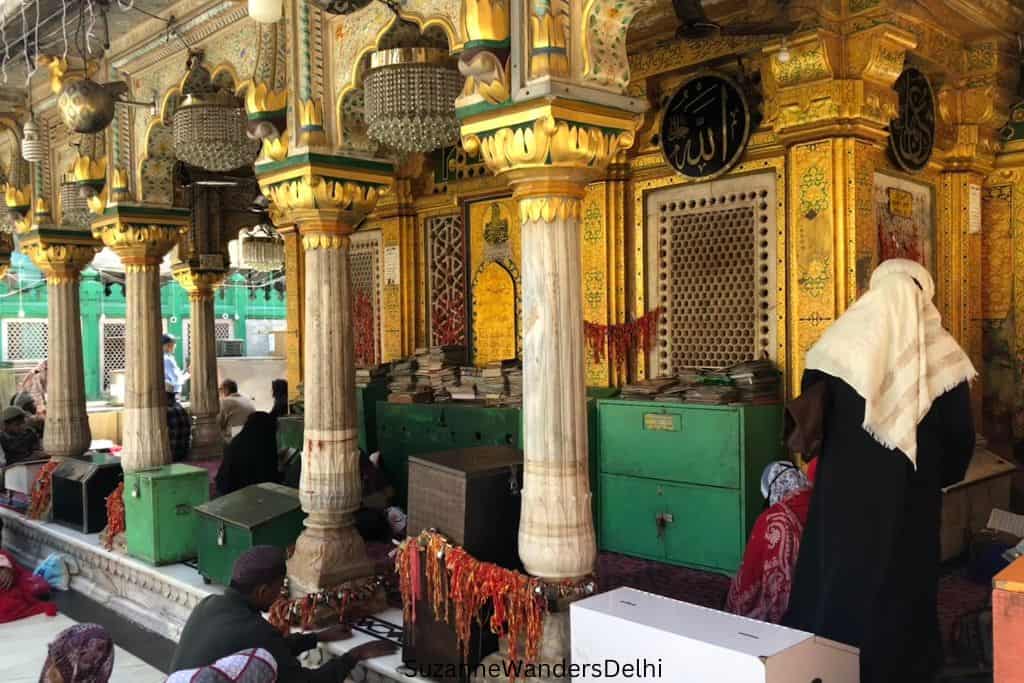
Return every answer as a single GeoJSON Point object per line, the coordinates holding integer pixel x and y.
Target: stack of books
{"type": "Point", "coordinates": [757, 381]}
{"type": "Point", "coordinates": [375, 375]}
{"type": "Point", "coordinates": [470, 378]}
{"type": "Point", "coordinates": [513, 371]}
{"type": "Point", "coordinates": [712, 394]}
{"type": "Point", "coordinates": [493, 381]}
{"type": "Point", "coordinates": [439, 367]}
{"type": "Point", "coordinates": [647, 389]}
{"type": "Point", "coordinates": [674, 394]}
{"type": "Point", "coordinates": [406, 385]}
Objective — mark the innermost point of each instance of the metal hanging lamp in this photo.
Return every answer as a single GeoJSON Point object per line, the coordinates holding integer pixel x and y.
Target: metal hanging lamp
{"type": "Point", "coordinates": [262, 248]}
{"type": "Point", "coordinates": [210, 124]}
{"type": "Point", "coordinates": [32, 148]}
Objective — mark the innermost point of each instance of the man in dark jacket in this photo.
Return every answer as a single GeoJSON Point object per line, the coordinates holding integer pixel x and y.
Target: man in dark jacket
{"type": "Point", "coordinates": [222, 625]}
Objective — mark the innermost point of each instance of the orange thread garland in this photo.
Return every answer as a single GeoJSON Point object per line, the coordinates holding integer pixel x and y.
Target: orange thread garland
{"type": "Point", "coordinates": [115, 517]}
{"type": "Point", "coordinates": [42, 491]}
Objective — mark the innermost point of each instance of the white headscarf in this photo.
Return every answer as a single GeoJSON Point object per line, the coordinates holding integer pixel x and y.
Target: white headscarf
{"type": "Point", "coordinates": [891, 348]}
{"type": "Point", "coordinates": [248, 666]}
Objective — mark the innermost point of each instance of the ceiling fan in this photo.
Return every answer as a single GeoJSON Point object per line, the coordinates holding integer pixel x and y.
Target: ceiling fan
{"type": "Point", "coordinates": [694, 23]}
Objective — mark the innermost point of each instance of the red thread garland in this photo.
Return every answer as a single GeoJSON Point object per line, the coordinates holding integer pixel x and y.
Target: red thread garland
{"type": "Point", "coordinates": [301, 612]}
{"type": "Point", "coordinates": [458, 587]}
{"type": "Point", "coordinates": [115, 517]}
{"type": "Point", "coordinates": [42, 490]}
{"type": "Point", "coordinates": [621, 339]}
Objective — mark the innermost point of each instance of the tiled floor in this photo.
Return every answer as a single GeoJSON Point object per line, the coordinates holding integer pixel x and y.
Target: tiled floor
{"type": "Point", "coordinates": [24, 651]}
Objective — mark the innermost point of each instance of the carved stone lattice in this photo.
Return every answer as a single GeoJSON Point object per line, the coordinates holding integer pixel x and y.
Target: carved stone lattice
{"type": "Point", "coordinates": [447, 239]}
{"type": "Point", "coordinates": [25, 340]}
{"type": "Point", "coordinates": [712, 256]}
{"type": "Point", "coordinates": [364, 262]}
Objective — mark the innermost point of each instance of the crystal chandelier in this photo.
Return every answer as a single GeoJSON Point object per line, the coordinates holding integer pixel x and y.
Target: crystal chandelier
{"type": "Point", "coordinates": [210, 124]}
{"type": "Point", "coordinates": [263, 249]}
{"type": "Point", "coordinates": [410, 98]}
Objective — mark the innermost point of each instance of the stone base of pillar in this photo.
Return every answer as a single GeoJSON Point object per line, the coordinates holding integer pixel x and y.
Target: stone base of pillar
{"type": "Point", "coordinates": [206, 438]}
{"type": "Point", "coordinates": [326, 558]}
{"type": "Point", "coordinates": [552, 660]}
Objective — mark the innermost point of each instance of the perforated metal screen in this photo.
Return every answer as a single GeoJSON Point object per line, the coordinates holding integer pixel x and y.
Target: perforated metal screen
{"type": "Point", "coordinates": [711, 258]}
{"type": "Point", "coordinates": [223, 328]}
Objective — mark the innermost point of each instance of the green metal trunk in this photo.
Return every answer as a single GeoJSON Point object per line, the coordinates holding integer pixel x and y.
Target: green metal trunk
{"type": "Point", "coordinates": [681, 483]}
{"type": "Point", "coordinates": [264, 514]}
{"type": "Point", "coordinates": [159, 505]}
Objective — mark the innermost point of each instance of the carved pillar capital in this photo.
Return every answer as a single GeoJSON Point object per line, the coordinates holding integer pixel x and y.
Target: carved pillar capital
{"type": "Point", "coordinates": [323, 190]}
{"type": "Point", "coordinates": [140, 234]}
{"type": "Point", "coordinates": [832, 84]}
{"type": "Point", "coordinates": [60, 253]}
{"type": "Point", "coordinates": [199, 283]}
{"type": "Point", "coordinates": [561, 142]}
{"type": "Point", "coordinates": [974, 106]}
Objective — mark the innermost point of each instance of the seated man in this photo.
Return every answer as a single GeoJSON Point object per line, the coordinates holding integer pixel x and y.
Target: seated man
{"type": "Point", "coordinates": [179, 427]}
{"type": "Point", "coordinates": [222, 625]}
{"type": "Point", "coordinates": [19, 442]}
{"type": "Point", "coordinates": [235, 409]}
{"type": "Point", "coordinates": [26, 402]}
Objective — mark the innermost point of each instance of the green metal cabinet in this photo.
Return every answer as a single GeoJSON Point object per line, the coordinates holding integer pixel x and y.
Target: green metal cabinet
{"type": "Point", "coordinates": [159, 506]}
{"type": "Point", "coordinates": [681, 483]}
{"type": "Point", "coordinates": [405, 429]}
{"type": "Point", "coordinates": [263, 514]}
{"type": "Point", "coordinates": [289, 428]}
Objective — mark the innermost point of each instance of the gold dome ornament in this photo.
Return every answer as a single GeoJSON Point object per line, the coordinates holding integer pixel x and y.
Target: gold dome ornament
{"type": "Point", "coordinates": [32, 148]}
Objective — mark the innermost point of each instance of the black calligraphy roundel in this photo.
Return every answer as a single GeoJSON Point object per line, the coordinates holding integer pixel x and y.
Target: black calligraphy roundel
{"type": "Point", "coordinates": [912, 132]}
{"type": "Point", "coordinates": [705, 127]}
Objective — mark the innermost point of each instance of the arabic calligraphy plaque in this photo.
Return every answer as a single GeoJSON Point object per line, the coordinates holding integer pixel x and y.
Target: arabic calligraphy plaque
{"type": "Point", "coordinates": [912, 133]}
{"type": "Point", "coordinates": [705, 127]}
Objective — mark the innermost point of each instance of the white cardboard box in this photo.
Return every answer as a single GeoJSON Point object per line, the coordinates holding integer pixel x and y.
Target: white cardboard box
{"type": "Point", "coordinates": [627, 634]}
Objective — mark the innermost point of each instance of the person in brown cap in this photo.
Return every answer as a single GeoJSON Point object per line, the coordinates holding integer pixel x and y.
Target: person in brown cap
{"type": "Point", "coordinates": [222, 625]}
{"type": "Point", "coordinates": [19, 442]}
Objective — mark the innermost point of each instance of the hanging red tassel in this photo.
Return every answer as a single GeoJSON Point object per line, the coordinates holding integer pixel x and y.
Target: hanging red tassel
{"type": "Point", "coordinates": [622, 338]}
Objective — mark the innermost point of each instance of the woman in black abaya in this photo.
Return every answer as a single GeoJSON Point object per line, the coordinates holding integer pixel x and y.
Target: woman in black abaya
{"type": "Point", "coordinates": [897, 428]}
{"type": "Point", "coordinates": [251, 457]}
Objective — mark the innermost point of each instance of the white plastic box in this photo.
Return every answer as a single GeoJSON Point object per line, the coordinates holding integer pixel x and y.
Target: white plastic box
{"type": "Point", "coordinates": [630, 635]}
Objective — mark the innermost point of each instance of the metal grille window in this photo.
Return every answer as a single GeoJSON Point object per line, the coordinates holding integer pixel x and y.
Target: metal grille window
{"type": "Point", "coordinates": [112, 349]}
{"type": "Point", "coordinates": [25, 339]}
{"type": "Point", "coordinates": [223, 328]}
{"type": "Point", "coordinates": [447, 270]}
{"type": "Point", "coordinates": [259, 337]}
{"type": "Point", "coordinates": [364, 263]}
{"type": "Point", "coordinates": [711, 263]}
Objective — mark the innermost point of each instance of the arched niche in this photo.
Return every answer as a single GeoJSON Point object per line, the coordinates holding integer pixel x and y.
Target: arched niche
{"type": "Point", "coordinates": [496, 314]}
{"type": "Point", "coordinates": [156, 168]}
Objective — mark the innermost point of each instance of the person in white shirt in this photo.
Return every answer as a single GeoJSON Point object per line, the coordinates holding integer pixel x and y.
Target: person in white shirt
{"type": "Point", "coordinates": [172, 373]}
{"type": "Point", "coordinates": [235, 409]}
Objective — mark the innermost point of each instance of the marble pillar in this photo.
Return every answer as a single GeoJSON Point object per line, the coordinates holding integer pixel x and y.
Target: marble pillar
{"type": "Point", "coordinates": [204, 400]}
{"type": "Point", "coordinates": [67, 431]}
{"type": "Point", "coordinates": [329, 551]}
{"type": "Point", "coordinates": [556, 528]}
{"type": "Point", "coordinates": [145, 401]}
{"type": "Point", "coordinates": [61, 255]}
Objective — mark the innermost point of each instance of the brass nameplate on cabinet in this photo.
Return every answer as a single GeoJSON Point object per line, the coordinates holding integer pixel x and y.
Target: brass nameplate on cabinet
{"type": "Point", "coordinates": [660, 422]}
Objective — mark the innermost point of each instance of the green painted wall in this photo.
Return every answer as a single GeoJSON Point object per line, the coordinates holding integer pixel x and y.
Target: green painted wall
{"type": "Point", "coordinates": [25, 291]}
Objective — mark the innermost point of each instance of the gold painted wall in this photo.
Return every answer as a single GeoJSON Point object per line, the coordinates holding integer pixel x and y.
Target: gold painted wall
{"type": "Point", "coordinates": [495, 251]}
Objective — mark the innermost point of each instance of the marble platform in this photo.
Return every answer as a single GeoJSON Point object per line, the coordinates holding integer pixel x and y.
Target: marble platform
{"type": "Point", "coordinates": [24, 652]}
{"type": "Point", "coordinates": [159, 599]}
